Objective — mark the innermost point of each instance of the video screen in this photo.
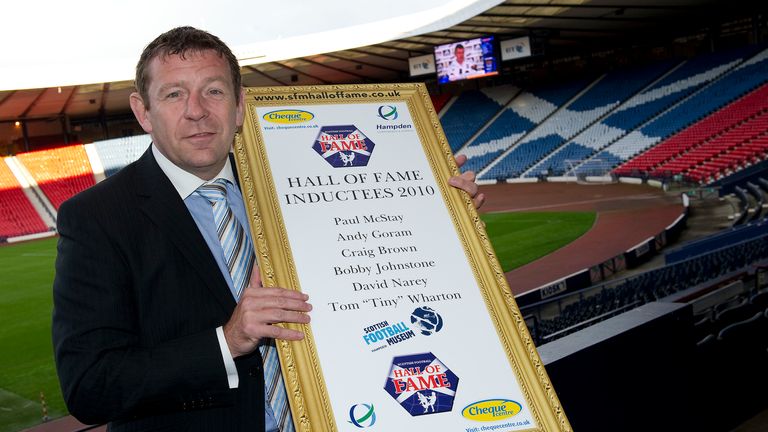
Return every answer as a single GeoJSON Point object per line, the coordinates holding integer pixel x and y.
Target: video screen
{"type": "Point", "coordinates": [468, 59]}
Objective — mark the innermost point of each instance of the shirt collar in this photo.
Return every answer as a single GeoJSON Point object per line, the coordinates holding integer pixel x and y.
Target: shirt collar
{"type": "Point", "coordinates": [185, 182]}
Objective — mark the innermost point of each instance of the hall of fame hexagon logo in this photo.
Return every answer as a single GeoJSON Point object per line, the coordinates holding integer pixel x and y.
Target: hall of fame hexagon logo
{"type": "Point", "coordinates": [422, 384]}
{"type": "Point", "coordinates": [343, 146]}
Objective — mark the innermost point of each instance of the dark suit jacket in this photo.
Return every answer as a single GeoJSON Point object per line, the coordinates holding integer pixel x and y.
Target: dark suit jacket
{"type": "Point", "coordinates": [137, 299]}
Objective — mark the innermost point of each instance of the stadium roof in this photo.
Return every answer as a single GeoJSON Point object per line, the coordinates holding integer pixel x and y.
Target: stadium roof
{"type": "Point", "coordinates": [75, 60]}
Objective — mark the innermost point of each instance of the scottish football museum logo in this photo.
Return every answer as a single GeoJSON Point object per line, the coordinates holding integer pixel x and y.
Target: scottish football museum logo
{"type": "Point", "coordinates": [343, 146]}
{"type": "Point", "coordinates": [388, 112]}
{"type": "Point", "coordinates": [426, 320]}
{"type": "Point", "coordinates": [362, 415]}
{"type": "Point", "coordinates": [421, 384]}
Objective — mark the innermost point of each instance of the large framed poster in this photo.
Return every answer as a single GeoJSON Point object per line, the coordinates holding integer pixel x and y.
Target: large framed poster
{"type": "Point", "coordinates": [413, 325]}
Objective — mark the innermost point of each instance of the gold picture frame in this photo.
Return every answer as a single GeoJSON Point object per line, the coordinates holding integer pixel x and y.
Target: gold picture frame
{"type": "Point", "coordinates": [289, 109]}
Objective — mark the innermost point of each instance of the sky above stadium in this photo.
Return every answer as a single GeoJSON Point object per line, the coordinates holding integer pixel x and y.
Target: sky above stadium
{"type": "Point", "coordinates": [58, 43]}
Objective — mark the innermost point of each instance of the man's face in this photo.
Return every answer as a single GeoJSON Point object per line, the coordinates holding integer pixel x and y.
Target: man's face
{"type": "Point", "coordinates": [459, 55]}
{"type": "Point", "coordinates": [194, 111]}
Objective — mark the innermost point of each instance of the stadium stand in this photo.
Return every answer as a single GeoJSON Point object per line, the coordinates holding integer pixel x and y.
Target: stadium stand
{"type": "Point", "coordinates": [119, 152]}
{"type": "Point", "coordinates": [582, 145]}
{"type": "Point", "coordinates": [600, 98]}
{"type": "Point", "coordinates": [17, 215]}
{"type": "Point", "coordinates": [439, 101]}
{"type": "Point", "coordinates": [757, 194]}
{"type": "Point", "coordinates": [619, 296]}
{"type": "Point", "coordinates": [678, 84]}
{"type": "Point", "coordinates": [522, 114]}
{"type": "Point", "coordinates": [698, 147]}
{"type": "Point", "coordinates": [716, 241]}
{"type": "Point", "coordinates": [741, 80]}
{"type": "Point", "coordinates": [61, 172]}
{"type": "Point", "coordinates": [471, 110]}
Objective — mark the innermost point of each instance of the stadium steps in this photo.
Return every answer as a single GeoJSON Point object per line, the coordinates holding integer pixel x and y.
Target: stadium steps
{"type": "Point", "coordinates": [31, 189]}
{"type": "Point", "coordinates": [516, 144]}
{"type": "Point", "coordinates": [471, 110]}
{"type": "Point", "coordinates": [60, 172]}
{"type": "Point", "coordinates": [490, 121]}
{"type": "Point", "coordinates": [523, 113]}
{"type": "Point", "coordinates": [597, 150]}
{"type": "Point", "coordinates": [447, 106]}
{"type": "Point", "coordinates": [648, 142]}
{"type": "Point", "coordinates": [657, 116]}
{"type": "Point", "coordinates": [592, 125]}
{"type": "Point", "coordinates": [18, 217]}
{"type": "Point", "coordinates": [702, 134]}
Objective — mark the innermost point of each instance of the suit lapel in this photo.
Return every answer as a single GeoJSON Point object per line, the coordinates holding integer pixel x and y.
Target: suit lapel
{"type": "Point", "coordinates": [165, 208]}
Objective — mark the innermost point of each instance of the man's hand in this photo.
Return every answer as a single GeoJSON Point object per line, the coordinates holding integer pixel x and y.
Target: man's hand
{"type": "Point", "coordinates": [466, 182]}
{"type": "Point", "coordinates": [256, 312]}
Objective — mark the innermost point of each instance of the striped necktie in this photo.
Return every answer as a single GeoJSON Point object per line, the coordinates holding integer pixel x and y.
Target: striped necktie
{"type": "Point", "coordinates": [239, 258]}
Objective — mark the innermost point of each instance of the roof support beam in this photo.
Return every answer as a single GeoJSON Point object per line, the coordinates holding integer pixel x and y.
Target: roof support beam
{"type": "Point", "coordinates": [364, 63]}
{"type": "Point", "coordinates": [264, 74]}
{"type": "Point", "coordinates": [378, 55]}
{"type": "Point", "coordinates": [68, 102]}
{"type": "Point", "coordinates": [302, 73]}
{"type": "Point", "coordinates": [362, 77]}
{"type": "Point", "coordinates": [34, 102]}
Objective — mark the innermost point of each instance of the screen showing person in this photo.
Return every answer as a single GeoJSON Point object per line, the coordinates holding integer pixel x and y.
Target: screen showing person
{"type": "Point", "coordinates": [473, 58]}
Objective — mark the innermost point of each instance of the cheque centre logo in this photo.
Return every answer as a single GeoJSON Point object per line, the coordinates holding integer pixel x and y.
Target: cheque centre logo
{"type": "Point", "coordinates": [421, 384]}
{"type": "Point", "coordinates": [343, 146]}
{"type": "Point", "coordinates": [362, 415]}
{"type": "Point", "coordinates": [492, 410]}
{"type": "Point", "coordinates": [288, 116]}
{"type": "Point", "coordinates": [388, 112]}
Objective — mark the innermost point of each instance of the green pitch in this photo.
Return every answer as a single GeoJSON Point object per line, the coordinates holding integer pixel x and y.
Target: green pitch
{"type": "Point", "coordinates": [519, 238]}
{"type": "Point", "coordinates": [26, 356]}
{"type": "Point", "coordinates": [26, 276]}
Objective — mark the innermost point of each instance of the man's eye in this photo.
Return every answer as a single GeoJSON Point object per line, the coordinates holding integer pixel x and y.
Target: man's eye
{"type": "Point", "coordinates": [216, 91]}
{"type": "Point", "coordinates": [172, 95]}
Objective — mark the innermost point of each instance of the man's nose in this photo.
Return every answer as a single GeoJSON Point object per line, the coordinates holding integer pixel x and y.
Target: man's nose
{"type": "Point", "coordinates": [196, 108]}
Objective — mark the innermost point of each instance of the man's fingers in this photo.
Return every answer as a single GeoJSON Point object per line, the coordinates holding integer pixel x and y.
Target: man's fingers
{"type": "Point", "coordinates": [276, 310]}
{"type": "Point", "coordinates": [461, 160]}
{"type": "Point", "coordinates": [255, 277]}
{"type": "Point", "coordinates": [259, 313]}
{"type": "Point", "coordinates": [273, 293]}
{"type": "Point", "coordinates": [265, 318]}
{"type": "Point", "coordinates": [276, 332]}
{"type": "Point", "coordinates": [465, 182]}
{"type": "Point", "coordinates": [479, 200]}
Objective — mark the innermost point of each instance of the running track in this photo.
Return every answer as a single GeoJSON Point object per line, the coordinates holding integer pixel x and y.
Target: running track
{"type": "Point", "coordinates": [626, 216]}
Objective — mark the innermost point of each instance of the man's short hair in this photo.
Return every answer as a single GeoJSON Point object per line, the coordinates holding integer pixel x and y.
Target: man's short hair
{"type": "Point", "coordinates": [457, 47]}
{"type": "Point", "coordinates": [180, 41]}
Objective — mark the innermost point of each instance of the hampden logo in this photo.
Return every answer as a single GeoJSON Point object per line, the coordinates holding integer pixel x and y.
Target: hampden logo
{"type": "Point", "coordinates": [492, 410]}
{"type": "Point", "coordinates": [288, 116]}
{"type": "Point", "coordinates": [388, 112]}
{"type": "Point", "coordinates": [421, 384]}
{"type": "Point", "coordinates": [362, 415]}
{"type": "Point", "coordinates": [343, 146]}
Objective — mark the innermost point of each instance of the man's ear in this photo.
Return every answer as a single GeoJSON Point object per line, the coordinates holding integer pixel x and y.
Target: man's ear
{"type": "Point", "coordinates": [140, 112]}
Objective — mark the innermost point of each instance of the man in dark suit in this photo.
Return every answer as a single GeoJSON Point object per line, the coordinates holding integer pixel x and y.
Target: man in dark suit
{"type": "Point", "coordinates": [147, 331]}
